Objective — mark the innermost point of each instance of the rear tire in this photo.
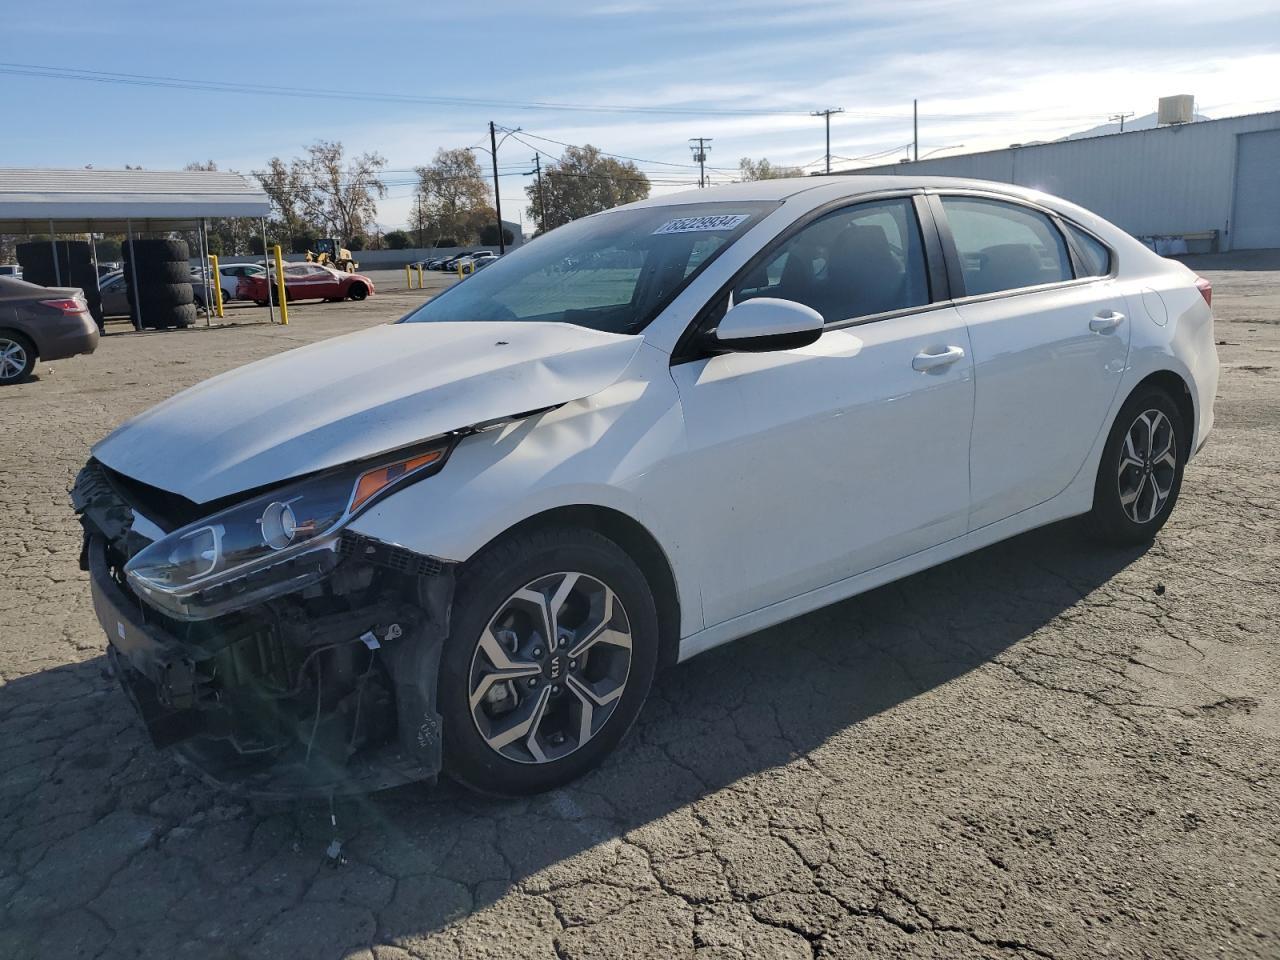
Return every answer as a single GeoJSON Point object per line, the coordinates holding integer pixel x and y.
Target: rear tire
{"type": "Point", "coordinates": [1140, 474]}
{"type": "Point", "coordinates": [590, 690]}
{"type": "Point", "coordinates": [17, 357]}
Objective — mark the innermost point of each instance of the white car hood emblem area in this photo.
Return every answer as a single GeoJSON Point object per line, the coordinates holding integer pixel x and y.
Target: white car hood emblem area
{"type": "Point", "coordinates": [356, 396]}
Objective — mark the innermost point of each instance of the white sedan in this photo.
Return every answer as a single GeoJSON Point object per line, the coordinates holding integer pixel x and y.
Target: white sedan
{"type": "Point", "coordinates": [465, 541]}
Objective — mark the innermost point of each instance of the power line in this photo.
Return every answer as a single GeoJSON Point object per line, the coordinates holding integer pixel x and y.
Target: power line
{"type": "Point", "coordinates": [620, 156]}
{"type": "Point", "coordinates": [45, 71]}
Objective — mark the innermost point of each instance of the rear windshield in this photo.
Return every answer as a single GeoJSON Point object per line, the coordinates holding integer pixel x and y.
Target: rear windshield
{"type": "Point", "coordinates": [612, 272]}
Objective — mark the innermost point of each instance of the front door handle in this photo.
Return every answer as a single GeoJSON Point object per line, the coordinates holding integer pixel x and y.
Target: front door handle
{"type": "Point", "coordinates": [931, 361]}
{"type": "Point", "coordinates": [1108, 320]}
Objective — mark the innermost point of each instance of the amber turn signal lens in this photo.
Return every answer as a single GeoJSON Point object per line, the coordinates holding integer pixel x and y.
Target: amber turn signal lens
{"type": "Point", "coordinates": [372, 481]}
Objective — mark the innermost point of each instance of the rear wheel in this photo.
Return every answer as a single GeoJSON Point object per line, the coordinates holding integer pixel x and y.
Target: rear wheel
{"type": "Point", "coordinates": [550, 658]}
{"type": "Point", "coordinates": [17, 357]}
{"type": "Point", "coordinates": [1140, 474]}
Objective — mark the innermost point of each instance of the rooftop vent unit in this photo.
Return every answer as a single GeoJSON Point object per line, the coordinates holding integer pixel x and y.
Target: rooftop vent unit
{"type": "Point", "coordinates": [1179, 109]}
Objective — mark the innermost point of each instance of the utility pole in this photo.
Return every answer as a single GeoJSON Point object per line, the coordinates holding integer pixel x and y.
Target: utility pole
{"type": "Point", "coordinates": [1121, 117]}
{"type": "Point", "coordinates": [700, 154]}
{"type": "Point", "coordinates": [497, 194]}
{"type": "Point", "coordinates": [542, 203]}
{"type": "Point", "coordinates": [420, 218]}
{"type": "Point", "coordinates": [827, 113]}
{"type": "Point", "coordinates": [915, 129]}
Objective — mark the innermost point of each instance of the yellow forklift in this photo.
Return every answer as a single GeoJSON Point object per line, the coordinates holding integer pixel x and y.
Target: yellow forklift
{"type": "Point", "coordinates": [330, 254]}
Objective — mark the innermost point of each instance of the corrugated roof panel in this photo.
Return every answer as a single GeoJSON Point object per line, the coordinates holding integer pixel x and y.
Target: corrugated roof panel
{"type": "Point", "coordinates": [34, 194]}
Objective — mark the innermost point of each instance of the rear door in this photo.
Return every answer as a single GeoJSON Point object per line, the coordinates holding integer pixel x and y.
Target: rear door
{"type": "Point", "coordinates": [1050, 343]}
{"type": "Point", "coordinates": [814, 464]}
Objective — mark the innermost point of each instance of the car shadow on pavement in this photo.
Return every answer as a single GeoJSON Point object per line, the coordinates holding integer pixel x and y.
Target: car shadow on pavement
{"type": "Point", "coordinates": [92, 817]}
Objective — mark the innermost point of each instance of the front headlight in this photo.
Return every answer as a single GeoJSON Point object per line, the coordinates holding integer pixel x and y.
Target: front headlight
{"type": "Point", "coordinates": [275, 543]}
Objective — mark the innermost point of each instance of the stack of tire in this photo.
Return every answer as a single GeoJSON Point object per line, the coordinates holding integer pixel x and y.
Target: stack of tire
{"type": "Point", "coordinates": [74, 269]}
{"type": "Point", "coordinates": [164, 297]}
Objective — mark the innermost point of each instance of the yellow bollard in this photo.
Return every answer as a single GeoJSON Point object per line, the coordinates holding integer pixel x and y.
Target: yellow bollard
{"type": "Point", "coordinates": [217, 285]}
{"type": "Point", "coordinates": [408, 276]}
{"type": "Point", "coordinates": [421, 285]}
{"type": "Point", "coordinates": [284, 309]}
{"type": "Point", "coordinates": [459, 271]}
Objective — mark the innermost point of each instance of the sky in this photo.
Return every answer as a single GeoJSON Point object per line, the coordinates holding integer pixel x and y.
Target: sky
{"type": "Point", "coordinates": [641, 76]}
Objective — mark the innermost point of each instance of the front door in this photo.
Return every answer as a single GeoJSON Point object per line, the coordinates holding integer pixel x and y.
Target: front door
{"type": "Point", "coordinates": [808, 466]}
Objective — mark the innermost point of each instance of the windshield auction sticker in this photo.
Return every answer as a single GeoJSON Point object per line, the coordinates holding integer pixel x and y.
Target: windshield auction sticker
{"type": "Point", "coordinates": [727, 221]}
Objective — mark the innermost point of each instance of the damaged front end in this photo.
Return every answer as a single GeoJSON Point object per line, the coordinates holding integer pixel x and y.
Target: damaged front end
{"type": "Point", "coordinates": [276, 650]}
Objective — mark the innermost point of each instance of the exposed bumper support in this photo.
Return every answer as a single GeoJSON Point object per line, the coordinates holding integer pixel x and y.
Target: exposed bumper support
{"type": "Point", "coordinates": [310, 695]}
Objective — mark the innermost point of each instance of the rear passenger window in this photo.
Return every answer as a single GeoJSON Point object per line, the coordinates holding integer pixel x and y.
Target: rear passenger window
{"type": "Point", "coordinates": [855, 262]}
{"type": "Point", "coordinates": [1004, 246]}
{"type": "Point", "coordinates": [1095, 257]}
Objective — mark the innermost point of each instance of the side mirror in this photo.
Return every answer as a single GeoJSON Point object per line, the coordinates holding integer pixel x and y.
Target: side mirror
{"type": "Point", "coordinates": [766, 323]}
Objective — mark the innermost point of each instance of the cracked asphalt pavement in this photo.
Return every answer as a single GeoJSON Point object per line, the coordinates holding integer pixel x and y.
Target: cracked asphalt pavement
{"type": "Point", "coordinates": [1041, 750]}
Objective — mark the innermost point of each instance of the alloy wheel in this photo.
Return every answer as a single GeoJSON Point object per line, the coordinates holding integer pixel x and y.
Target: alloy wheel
{"type": "Point", "coordinates": [550, 667]}
{"type": "Point", "coordinates": [13, 358]}
{"type": "Point", "coordinates": [1148, 466]}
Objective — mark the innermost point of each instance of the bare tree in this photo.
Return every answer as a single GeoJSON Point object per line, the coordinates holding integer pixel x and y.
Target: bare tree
{"type": "Point", "coordinates": [286, 186]}
{"type": "Point", "coordinates": [452, 199]}
{"type": "Point", "coordinates": [342, 195]}
{"type": "Point", "coordinates": [762, 169]}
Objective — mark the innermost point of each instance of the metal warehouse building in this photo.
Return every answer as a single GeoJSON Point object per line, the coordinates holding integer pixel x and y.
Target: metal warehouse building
{"type": "Point", "coordinates": [1213, 181]}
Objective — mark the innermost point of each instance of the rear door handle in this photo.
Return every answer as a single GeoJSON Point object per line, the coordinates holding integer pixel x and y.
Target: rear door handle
{"type": "Point", "coordinates": [931, 361]}
{"type": "Point", "coordinates": [1103, 322]}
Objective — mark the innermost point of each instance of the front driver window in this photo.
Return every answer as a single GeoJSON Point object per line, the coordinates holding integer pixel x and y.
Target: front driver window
{"type": "Point", "coordinates": [855, 262]}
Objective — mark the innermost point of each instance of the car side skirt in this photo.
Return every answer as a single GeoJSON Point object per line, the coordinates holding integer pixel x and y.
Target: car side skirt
{"type": "Point", "coordinates": [1075, 500]}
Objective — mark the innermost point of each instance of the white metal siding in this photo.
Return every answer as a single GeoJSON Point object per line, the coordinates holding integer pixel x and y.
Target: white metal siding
{"type": "Point", "coordinates": [1169, 180]}
{"type": "Point", "coordinates": [1257, 207]}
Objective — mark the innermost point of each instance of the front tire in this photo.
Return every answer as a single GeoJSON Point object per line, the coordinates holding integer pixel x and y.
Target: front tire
{"type": "Point", "coordinates": [358, 291]}
{"type": "Point", "coordinates": [551, 653]}
{"type": "Point", "coordinates": [1140, 474]}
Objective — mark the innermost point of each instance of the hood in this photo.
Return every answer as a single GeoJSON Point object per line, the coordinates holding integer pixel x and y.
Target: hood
{"type": "Point", "coordinates": [356, 396]}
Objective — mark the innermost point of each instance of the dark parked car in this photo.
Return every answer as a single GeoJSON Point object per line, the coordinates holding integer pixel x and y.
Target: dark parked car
{"type": "Point", "coordinates": [41, 322]}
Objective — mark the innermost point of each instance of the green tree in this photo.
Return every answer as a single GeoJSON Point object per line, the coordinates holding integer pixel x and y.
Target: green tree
{"type": "Point", "coordinates": [451, 199]}
{"type": "Point", "coordinates": [582, 182]}
{"type": "Point", "coordinates": [762, 169]}
{"type": "Point", "coordinates": [396, 240]}
{"type": "Point", "coordinates": [489, 234]}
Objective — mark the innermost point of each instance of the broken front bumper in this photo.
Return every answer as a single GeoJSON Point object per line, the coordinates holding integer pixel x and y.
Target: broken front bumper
{"type": "Point", "coordinates": [328, 691]}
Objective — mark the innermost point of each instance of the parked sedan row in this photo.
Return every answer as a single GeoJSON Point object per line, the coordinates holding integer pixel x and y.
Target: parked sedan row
{"type": "Point", "coordinates": [469, 261]}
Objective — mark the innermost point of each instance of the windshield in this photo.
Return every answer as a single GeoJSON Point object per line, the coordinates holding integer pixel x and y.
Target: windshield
{"type": "Point", "coordinates": [611, 272]}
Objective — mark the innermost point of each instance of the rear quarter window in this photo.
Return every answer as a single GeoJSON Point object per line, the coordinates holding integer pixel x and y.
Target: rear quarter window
{"type": "Point", "coordinates": [1094, 256]}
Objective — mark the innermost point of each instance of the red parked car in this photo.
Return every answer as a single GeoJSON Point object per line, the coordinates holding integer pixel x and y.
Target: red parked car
{"type": "Point", "coordinates": [308, 281]}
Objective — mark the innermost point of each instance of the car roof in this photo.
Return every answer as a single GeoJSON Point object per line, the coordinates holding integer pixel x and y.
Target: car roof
{"type": "Point", "coordinates": [853, 184]}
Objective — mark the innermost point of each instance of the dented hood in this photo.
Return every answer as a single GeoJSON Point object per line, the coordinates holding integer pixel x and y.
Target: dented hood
{"type": "Point", "coordinates": [356, 396]}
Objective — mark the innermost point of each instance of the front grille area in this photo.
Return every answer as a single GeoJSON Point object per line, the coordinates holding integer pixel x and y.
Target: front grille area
{"type": "Point", "coordinates": [169, 510]}
{"type": "Point", "coordinates": [388, 555]}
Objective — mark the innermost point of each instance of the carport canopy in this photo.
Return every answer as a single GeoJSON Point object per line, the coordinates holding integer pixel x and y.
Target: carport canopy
{"type": "Point", "coordinates": [106, 201]}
